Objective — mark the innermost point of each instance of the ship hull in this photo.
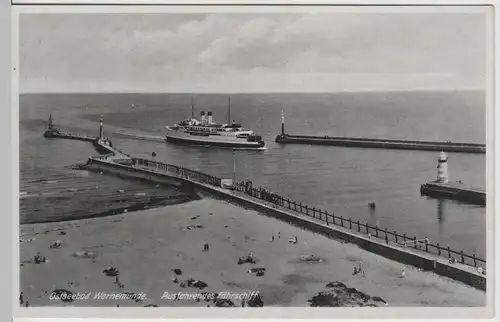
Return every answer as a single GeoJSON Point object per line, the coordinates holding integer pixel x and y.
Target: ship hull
{"type": "Point", "coordinates": [185, 141]}
{"type": "Point", "coordinates": [178, 137]}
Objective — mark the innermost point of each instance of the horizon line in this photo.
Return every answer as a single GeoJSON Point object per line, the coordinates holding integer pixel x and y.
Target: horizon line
{"type": "Point", "coordinates": [284, 92]}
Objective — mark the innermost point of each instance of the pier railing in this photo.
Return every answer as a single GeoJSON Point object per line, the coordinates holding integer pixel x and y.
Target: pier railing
{"type": "Point", "coordinates": [422, 244]}
{"type": "Point", "coordinates": [393, 237]}
{"type": "Point", "coordinates": [179, 171]}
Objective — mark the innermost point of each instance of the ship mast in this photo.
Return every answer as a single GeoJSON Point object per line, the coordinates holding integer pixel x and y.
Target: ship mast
{"type": "Point", "coordinates": [229, 112]}
{"type": "Point", "coordinates": [192, 107]}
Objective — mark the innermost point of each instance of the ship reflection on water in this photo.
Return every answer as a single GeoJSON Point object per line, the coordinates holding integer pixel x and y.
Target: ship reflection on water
{"type": "Point", "coordinates": [441, 214]}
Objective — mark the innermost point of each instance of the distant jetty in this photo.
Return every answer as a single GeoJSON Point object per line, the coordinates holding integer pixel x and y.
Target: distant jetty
{"type": "Point", "coordinates": [284, 138]}
{"type": "Point", "coordinates": [442, 188]}
{"type": "Point", "coordinates": [101, 143]}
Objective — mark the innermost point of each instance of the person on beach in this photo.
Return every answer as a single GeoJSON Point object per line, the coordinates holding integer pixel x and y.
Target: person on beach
{"type": "Point", "coordinates": [403, 273]}
{"type": "Point", "coordinates": [21, 298]}
{"type": "Point", "coordinates": [27, 304]}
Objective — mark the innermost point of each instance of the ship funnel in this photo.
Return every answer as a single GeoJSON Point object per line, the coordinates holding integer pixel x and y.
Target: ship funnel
{"type": "Point", "coordinates": [210, 118]}
{"type": "Point", "coordinates": [203, 118]}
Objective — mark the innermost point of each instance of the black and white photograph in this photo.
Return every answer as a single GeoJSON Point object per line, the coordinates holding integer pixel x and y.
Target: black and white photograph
{"type": "Point", "coordinates": [254, 157]}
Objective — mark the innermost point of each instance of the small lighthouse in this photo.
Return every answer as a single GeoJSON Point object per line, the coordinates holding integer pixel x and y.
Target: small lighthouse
{"type": "Point", "coordinates": [50, 126]}
{"type": "Point", "coordinates": [442, 168]}
{"type": "Point", "coordinates": [101, 131]}
{"type": "Point", "coordinates": [282, 123]}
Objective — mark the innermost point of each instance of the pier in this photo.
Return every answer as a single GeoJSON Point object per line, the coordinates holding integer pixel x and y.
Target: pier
{"type": "Point", "coordinates": [418, 252]}
{"type": "Point", "coordinates": [443, 188]}
{"type": "Point", "coordinates": [284, 138]}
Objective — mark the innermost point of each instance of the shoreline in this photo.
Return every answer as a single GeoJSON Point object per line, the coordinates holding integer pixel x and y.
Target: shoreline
{"type": "Point", "coordinates": [154, 202]}
{"type": "Point", "coordinates": [146, 245]}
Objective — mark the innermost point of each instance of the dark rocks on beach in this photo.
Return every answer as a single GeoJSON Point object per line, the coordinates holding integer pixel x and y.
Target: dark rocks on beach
{"type": "Point", "coordinates": [151, 305]}
{"type": "Point", "coordinates": [62, 233]}
{"type": "Point", "coordinates": [224, 303]}
{"type": "Point", "coordinates": [341, 295]}
{"type": "Point", "coordinates": [199, 284]}
{"type": "Point", "coordinates": [336, 285]}
{"type": "Point", "coordinates": [177, 271]}
{"type": "Point", "coordinates": [255, 301]}
{"type": "Point", "coordinates": [111, 271]}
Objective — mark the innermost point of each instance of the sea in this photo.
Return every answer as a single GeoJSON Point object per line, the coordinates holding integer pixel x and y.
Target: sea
{"type": "Point", "coordinates": [338, 179]}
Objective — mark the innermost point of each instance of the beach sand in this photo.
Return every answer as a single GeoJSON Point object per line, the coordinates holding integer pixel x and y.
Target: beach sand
{"type": "Point", "coordinates": [146, 245]}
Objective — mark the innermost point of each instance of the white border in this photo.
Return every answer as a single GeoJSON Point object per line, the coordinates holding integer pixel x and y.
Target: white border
{"type": "Point", "coordinates": [267, 312]}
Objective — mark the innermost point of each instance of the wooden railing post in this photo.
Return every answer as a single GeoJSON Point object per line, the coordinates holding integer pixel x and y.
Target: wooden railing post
{"type": "Point", "coordinates": [358, 226]}
{"type": "Point", "coordinates": [385, 236]}
{"type": "Point", "coordinates": [396, 236]}
{"type": "Point", "coordinates": [449, 252]}
{"type": "Point", "coordinates": [462, 256]}
{"type": "Point", "coordinates": [439, 248]}
{"type": "Point", "coordinates": [426, 245]}
{"type": "Point", "coordinates": [350, 223]}
{"type": "Point", "coordinates": [314, 212]}
{"type": "Point", "coordinates": [474, 258]}
{"type": "Point", "coordinates": [342, 221]}
{"type": "Point", "coordinates": [415, 242]}
{"type": "Point", "coordinates": [376, 231]}
{"type": "Point", "coordinates": [366, 226]}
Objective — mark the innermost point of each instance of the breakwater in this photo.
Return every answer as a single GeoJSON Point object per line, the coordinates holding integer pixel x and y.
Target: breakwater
{"type": "Point", "coordinates": [69, 136]}
{"type": "Point", "coordinates": [455, 191]}
{"type": "Point", "coordinates": [381, 143]}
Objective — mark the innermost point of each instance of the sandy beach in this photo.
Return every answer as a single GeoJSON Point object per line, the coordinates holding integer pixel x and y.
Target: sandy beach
{"type": "Point", "coordinates": [145, 246]}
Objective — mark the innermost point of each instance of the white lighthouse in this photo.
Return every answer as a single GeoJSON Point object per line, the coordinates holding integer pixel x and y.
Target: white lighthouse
{"type": "Point", "coordinates": [442, 168]}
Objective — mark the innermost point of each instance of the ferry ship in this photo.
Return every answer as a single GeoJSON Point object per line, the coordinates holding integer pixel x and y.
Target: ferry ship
{"type": "Point", "coordinates": [206, 132]}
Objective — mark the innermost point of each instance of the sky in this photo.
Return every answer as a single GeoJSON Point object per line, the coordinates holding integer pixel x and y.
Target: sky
{"type": "Point", "coordinates": [251, 52]}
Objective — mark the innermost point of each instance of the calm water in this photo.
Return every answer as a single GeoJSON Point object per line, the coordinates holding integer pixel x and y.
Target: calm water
{"type": "Point", "coordinates": [343, 180]}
